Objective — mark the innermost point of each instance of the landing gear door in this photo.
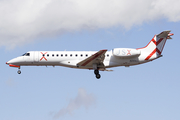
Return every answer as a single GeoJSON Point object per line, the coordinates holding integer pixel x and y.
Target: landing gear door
{"type": "Point", "coordinates": [36, 56]}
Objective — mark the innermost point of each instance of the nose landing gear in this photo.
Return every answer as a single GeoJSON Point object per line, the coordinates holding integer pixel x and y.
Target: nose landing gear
{"type": "Point", "coordinates": [19, 71]}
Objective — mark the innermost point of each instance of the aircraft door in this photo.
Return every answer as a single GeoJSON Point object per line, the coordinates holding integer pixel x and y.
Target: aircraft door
{"type": "Point", "coordinates": [36, 56]}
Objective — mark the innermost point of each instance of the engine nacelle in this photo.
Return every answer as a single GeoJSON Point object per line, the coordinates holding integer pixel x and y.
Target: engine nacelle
{"type": "Point", "coordinates": [126, 52]}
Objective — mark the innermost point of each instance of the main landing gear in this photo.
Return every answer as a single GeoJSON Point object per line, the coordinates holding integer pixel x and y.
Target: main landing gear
{"type": "Point", "coordinates": [96, 72]}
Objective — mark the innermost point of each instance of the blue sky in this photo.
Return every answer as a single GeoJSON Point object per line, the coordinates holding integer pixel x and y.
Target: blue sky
{"type": "Point", "coordinates": [148, 91]}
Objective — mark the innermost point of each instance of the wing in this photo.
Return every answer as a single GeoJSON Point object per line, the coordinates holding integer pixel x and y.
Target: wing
{"type": "Point", "coordinates": [97, 58]}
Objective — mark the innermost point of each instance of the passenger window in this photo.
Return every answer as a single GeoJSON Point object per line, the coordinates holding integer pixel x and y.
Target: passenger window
{"type": "Point", "coordinates": [61, 55]}
{"type": "Point", "coordinates": [47, 55]}
{"type": "Point", "coordinates": [86, 55]}
{"type": "Point", "coordinates": [71, 55]}
{"type": "Point", "coordinates": [81, 55]}
{"type": "Point", "coordinates": [66, 55]}
{"type": "Point", "coordinates": [57, 55]}
{"type": "Point", "coordinates": [53, 55]}
{"type": "Point", "coordinates": [76, 55]}
{"type": "Point", "coordinates": [107, 55]}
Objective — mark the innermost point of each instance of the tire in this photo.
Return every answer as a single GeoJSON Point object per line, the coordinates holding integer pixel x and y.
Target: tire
{"type": "Point", "coordinates": [98, 76]}
{"type": "Point", "coordinates": [96, 72]}
{"type": "Point", "coordinates": [19, 72]}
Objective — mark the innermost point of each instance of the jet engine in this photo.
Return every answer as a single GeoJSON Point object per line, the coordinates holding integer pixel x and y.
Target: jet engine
{"type": "Point", "coordinates": [125, 52]}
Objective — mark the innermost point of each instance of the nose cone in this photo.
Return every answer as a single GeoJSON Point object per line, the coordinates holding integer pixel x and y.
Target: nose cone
{"type": "Point", "coordinates": [15, 61]}
{"type": "Point", "coordinates": [7, 63]}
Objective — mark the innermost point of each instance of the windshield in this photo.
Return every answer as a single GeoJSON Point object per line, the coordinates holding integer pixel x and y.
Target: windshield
{"type": "Point", "coordinates": [26, 54]}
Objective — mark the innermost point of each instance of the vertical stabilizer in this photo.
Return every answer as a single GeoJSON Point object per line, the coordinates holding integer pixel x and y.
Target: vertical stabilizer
{"type": "Point", "coordinates": [155, 47]}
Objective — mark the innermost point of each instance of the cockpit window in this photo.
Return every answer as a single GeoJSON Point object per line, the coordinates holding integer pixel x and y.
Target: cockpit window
{"type": "Point", "coordinates": [26, 54]}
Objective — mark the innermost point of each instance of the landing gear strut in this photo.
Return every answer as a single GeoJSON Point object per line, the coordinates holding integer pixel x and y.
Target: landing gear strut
{"type": "Point", "coordinates": [19, 71]}
{"type": "Point", "coordinates": [96, 72]}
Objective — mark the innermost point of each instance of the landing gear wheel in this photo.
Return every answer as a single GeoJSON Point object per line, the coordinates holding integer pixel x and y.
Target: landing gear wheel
{"type": "Point", "coordinates": [96, 72]}
{"type": "Point", "coordinates": [19, 72]}
{"type": "Point", "coordinates": [98, 76]}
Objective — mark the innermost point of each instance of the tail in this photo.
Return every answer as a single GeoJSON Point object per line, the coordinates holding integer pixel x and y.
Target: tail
{"type": "Point", "coordinates": [155, 47]}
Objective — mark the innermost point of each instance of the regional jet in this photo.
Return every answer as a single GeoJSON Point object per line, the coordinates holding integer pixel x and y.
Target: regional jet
{"type": "Point", "coordinates": [95, 60]}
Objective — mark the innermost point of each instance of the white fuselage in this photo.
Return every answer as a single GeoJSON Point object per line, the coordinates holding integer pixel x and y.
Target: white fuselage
{"type": "Point", "coordinates": [71, 58]}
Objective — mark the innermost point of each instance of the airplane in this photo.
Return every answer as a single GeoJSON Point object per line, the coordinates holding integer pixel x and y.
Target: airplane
{"type": "Point", "coordinates": [95, 60]}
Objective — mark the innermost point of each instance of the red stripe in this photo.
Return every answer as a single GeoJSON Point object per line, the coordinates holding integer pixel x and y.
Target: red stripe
{"type": "Point", "coordinates": [154, 42]}
{"type": "Point", "coordinates": [94, 56]}
{"type": "Point", "coordinates": [163, 45]}
{"type": "Point", "coordinates": [11, 65]}
{"type": "Point", "coordinates": [150, 55]}
{"type": "Point", "coordinates": [157, 50]}
{"type": "Point", "coordinates": [42, 58]}
{"type": "Point", "coordinates": [147, 44]}
{"type": "Point", "coordinates": [159, 41]}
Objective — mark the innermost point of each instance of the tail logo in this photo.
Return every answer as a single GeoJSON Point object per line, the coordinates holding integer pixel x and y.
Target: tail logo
{"type": "Point", "coordinates": [129, 52]}
{"type": "Point", "coordinates": [156, 49]}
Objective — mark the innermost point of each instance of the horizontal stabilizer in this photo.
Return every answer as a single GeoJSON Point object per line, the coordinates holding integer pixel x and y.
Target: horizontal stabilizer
{"type": "Point", "coordinates": [163, 34]}
{"type": "Point", "coordinates": [169, 37]}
